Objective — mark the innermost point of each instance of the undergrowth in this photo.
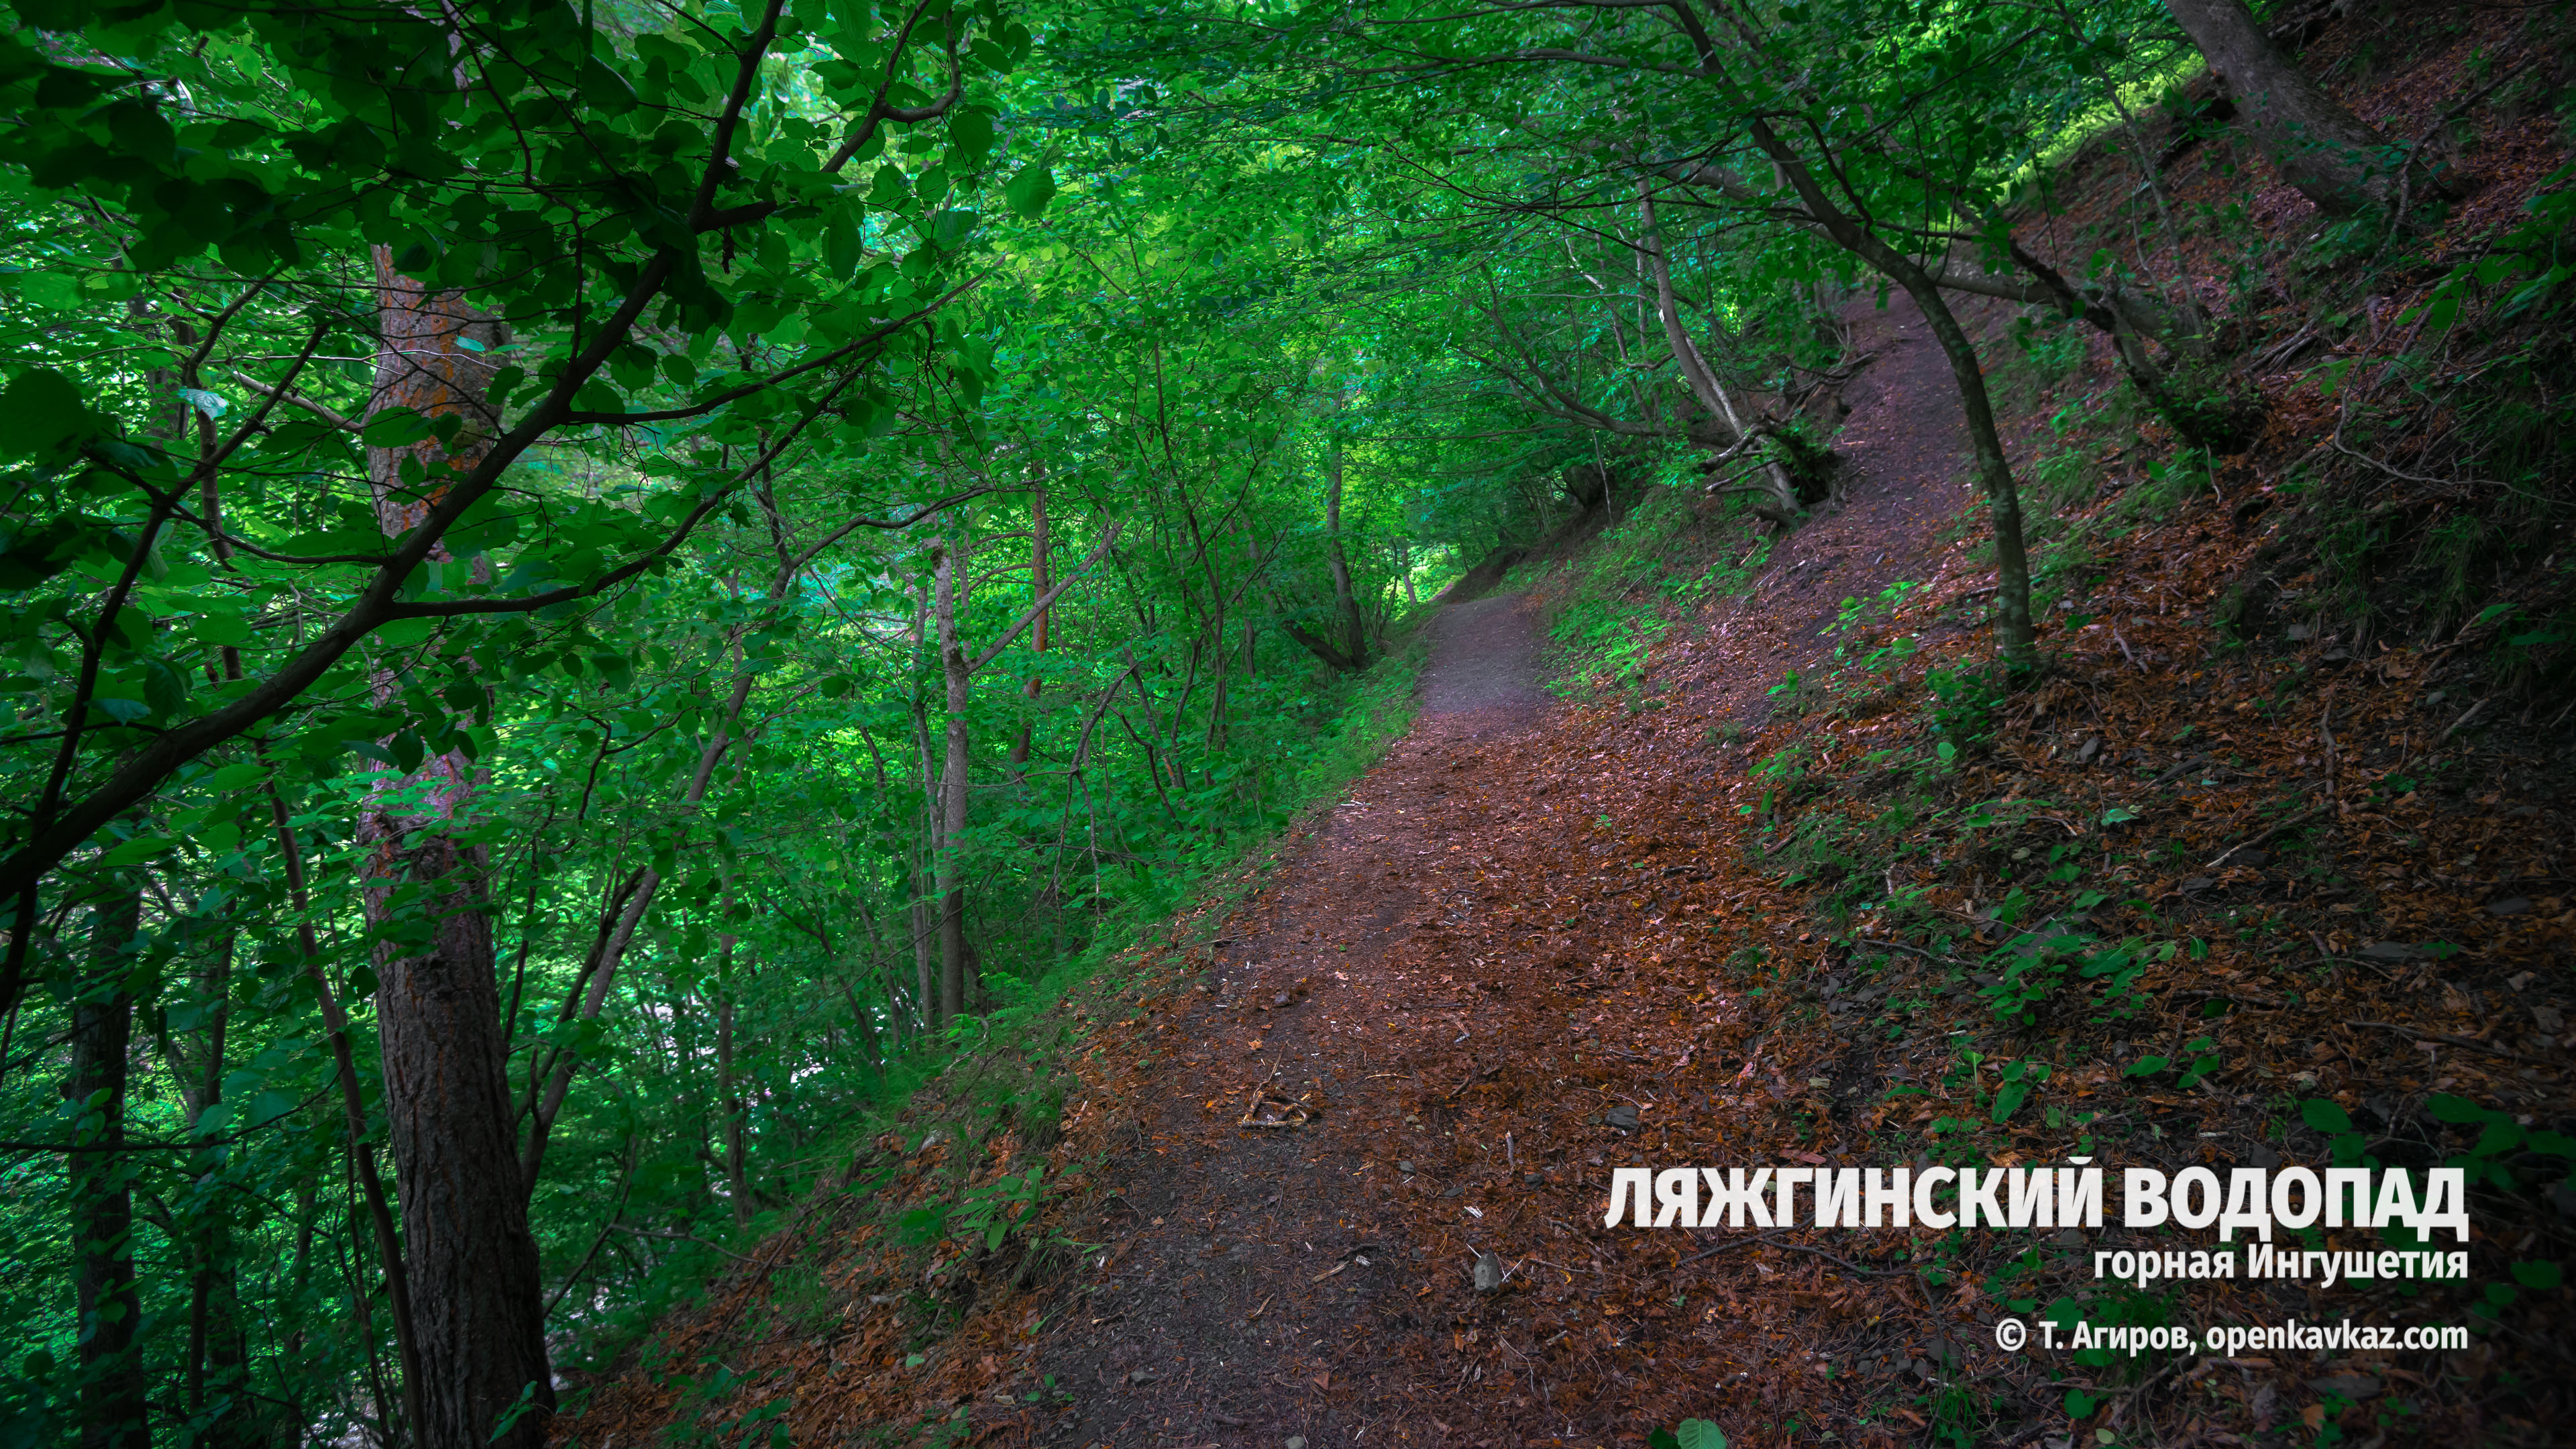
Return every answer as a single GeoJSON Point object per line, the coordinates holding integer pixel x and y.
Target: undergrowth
{"type": "Point", "coordinates": [954, 1163]}
{"type": "Point", "coordinates": [1608, 608]}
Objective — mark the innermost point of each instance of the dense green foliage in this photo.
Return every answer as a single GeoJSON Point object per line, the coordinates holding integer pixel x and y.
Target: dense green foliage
{"type": "Point", "coordinates": [840, 510]}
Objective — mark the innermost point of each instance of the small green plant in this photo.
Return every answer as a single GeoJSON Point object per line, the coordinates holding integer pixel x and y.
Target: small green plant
{"type": "Point", "coordinates": [2043, 964]}
{"type": "Point", "coordinates": [1963, 704]}
{"type": "Point", "coordinates": [2169, 483]}
{"type": "Point", "coordinates": [1689, 1434]}
{"type": "Point", "coordinates": [2500, 1138]}
{"type": "Point", "coordinates": [988, 1212]}
{"type": "Point", "coordinates": [1855, 612]}
{"type": "Point", "coordinates": [2019, 1080]}
{"type": "Point", "coordinates": [1786, 766]}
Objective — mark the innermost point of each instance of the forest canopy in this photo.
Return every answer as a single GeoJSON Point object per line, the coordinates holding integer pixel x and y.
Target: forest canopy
{"type": "Point", "coordinates": [589, 588]}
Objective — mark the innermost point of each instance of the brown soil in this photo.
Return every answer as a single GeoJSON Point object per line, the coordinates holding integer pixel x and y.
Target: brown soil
{"type": "Point", "coordinates": [1318, 1281]}
{"type": "Point", "coordinates": [1538, 943]}
{"type": "Point", "coordinates": [1259, 1281]}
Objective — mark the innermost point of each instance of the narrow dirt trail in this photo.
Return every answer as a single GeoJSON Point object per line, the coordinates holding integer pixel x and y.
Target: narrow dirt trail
{"type": "Point", "coordinates": [1258, 1273]}
{"type": "Point", "coordinates": [1463, 947]}
{"type": "Point", "coordinates": [1906, 476]}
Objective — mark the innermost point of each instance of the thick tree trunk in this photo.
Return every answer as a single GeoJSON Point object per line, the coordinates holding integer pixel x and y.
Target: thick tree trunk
{"type": "Point", "coordinates": [476, 1297]}
{"type": "Point", "coordinates": [111, 1409]}
{"type": "Point", "coordinates": [477, 1300]}
{"type": "Point", "coordinates": [2335, 158]}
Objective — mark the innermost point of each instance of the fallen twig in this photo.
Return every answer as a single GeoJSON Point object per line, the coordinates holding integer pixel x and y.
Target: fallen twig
{"type": "Point", "coordinates": [2466, 715]}
{"type": "Point", "coordinates": [2472, 1043]}
{"type": "Point", "coordinates": [2302, 818]}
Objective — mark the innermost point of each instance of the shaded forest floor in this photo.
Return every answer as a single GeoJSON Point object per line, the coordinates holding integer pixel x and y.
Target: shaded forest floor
{"type": "Point", "coordinates": [1723, 917]}
{"type": "Point", "coordinates": [1676, 925]}
{"type": "Point", "coordinates": [1801, 884]}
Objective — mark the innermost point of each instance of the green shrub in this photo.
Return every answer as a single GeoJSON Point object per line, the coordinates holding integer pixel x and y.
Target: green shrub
{"type": "Point", "coordinates": [1963, 704]}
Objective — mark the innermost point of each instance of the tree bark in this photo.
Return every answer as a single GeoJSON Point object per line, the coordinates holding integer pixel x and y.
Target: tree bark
{"type": "Point", "coordinates": [2335, 158]}
{"type": "Point", "coordinates": [1353, 645]}
{"type": "Point", "coordinates": [477, 1299]}
{"type": "Point", "coordinates": [111, 1407]}
{"type": "Point", "coordinates": [1038, 639]}
{"type": "Point", "coordinates": [1704, 386]}
{"type": "Point", "coordinates": [2012, 563]}
{"type": "Point", "coordinates": [728, 1087]}
{"type": "Point", "coordinates": [949, 870]}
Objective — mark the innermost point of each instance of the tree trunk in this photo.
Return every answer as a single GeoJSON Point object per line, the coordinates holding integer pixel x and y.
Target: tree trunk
{"type": "Point", "coordinates": [218, 1358]}
{"type": "Point", "coordinates": [1251, 630]}
{"type": "Point", "coordinates": [729, 1089]}
{"type": "Point", "coordinates": [612, 949]}
{"type": "Point", "coordinates": [476, 1296]}
{"type": "Point", "coordinates": [1353, 646]}
{"type": "Point", "coordinates": [112, 1391]}
{"type": "Point", "coordinates": [923, 872]}
{"type": "Point", "coordinates": [2012, 564]}
{"type": "Point", "coordinates": [1038, 639]}
{"type": "Point", "coordinates": [1704, 385]}
{"type": "Point", "coordinates": [952, 791]}
{"type": "Point", "coordinates": [2335, 158]}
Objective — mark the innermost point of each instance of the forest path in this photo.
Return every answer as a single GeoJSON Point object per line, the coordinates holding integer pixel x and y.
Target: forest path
{"type": "Point", "coordinates": [1436, 970]}
{"type": "Point", "coordinates": [1257, 1273]}
{"type": "Point", "coordinates": [1906, 474]}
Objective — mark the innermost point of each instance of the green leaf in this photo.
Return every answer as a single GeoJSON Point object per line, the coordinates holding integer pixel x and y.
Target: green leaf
{"type": "Point", "coordinates": [2118, 815]}
{"type": "Point", "coordinates": [970, 134]}
{"type": "Point", "coordinates": [394, 428]}
{"type": "Point", "coordinates": [2552, 1144]}
{"type": "Point", "coordinates": [164, 688]}
{"type": "Point", "coordinates": [2458, 1111]}
{"type": "Point", "coordinates": [2146, 1067]}
{"type": "Point", "coordinates": [2536, 1274]}
{"type": "Point", "coordinates": [40, 413]}
{"type": "Point", "coordinates": [141, 848]}
{"type": "Point", "coordinates": [1699, 1434]}
{"type": "Point", "coordinates": [268, 1106]}
{"type": "Point", "coordinates": [408, 750]}
{"type": "Point", "coordinates": [1029, 192]}
{"type": "Point", "coordinates": [2324, 1116]}
{"type": "Point", "coordinates": [221, 629]}
{"type": "Point", "coordinates": [2008, 1100]}
{"type": "Point", "coordinates": [233, 777]}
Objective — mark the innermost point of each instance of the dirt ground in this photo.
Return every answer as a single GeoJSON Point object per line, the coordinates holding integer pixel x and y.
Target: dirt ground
{"type": "Point", "coordinates": [1424, 958]}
